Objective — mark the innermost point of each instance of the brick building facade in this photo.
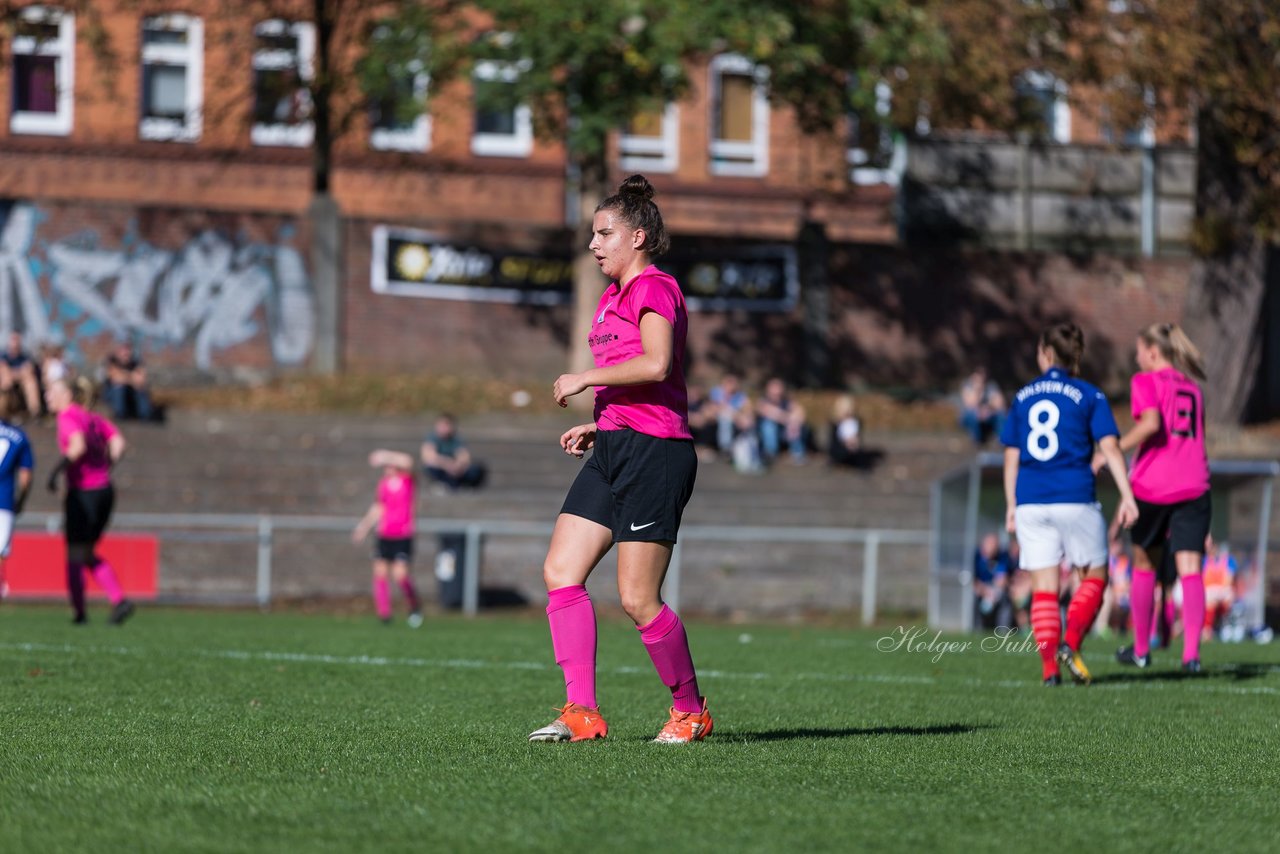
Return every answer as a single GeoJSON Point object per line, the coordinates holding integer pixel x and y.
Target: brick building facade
{"type": "Point", "coordinates": [169, 204]}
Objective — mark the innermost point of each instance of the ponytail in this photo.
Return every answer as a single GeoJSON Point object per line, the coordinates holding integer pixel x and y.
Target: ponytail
{"type": "Point", "coordinates": [1066, 340]}
{"type": "Point", "coordinates": [1176, 348]}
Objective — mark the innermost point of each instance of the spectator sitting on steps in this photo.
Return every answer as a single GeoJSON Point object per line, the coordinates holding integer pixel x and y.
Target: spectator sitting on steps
{"type": "Point", "coordinates": [18, 374]}
{"type": "Point", "coordinates": [446, 459]}
{"type": "Point", "coordinates": [125, 385]}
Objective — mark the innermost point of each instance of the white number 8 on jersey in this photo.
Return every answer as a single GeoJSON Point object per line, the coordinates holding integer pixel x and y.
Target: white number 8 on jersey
{"type": "Point", "coordinates": [1042, 441]}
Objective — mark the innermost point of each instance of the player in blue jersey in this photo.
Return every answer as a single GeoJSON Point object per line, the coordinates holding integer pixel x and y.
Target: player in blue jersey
{"type": "Point", "coordinates": [16, 463]}
{"type": "Point", "coordinates": [1049, 439]}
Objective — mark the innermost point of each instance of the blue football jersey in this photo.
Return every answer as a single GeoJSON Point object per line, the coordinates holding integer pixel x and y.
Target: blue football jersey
{"type": "Point", "coordinates": [15, 453]}
{"type": "Point", "coordinates": [1055, 421]}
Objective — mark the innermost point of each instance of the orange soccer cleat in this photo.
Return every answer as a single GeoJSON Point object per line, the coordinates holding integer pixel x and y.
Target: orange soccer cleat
{"type": "Point", "coordinates": [684, 727]}
{"type": "Point", "coordinates": [576, 723]}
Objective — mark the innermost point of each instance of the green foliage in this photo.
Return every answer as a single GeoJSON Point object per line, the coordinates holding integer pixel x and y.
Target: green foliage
{"type": "Point", "coordinates": [599, 63]}
{"type": "Point", "coordinates": [610, 62]}
{"type": "Point", "coordinates": [193, 730]}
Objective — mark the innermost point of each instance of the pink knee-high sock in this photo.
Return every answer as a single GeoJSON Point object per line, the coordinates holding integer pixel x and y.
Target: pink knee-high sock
{"type": "Point", "coordinates": [665, 641]}
{"type": "Point", "coordinates": [572, 618]}
{"type": "Point", "coordinates": [106, 578]}
{"type": "Point", "coordinates": [382, 597]}
{"type": "Point", "coordinates": [1192, 615]}
{"type": "Point", "coordinates": [1142, 603]}
{"type": "Point", "coordinates": [410, 594]}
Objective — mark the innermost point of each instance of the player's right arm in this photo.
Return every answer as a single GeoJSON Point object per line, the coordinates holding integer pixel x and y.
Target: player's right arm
{"type": "Point", "coordinates": [366, 523]}
{"type": "Point", "coordinates": [1011, 459]}
{"type": "Point", "coordinates": [1147, 425]}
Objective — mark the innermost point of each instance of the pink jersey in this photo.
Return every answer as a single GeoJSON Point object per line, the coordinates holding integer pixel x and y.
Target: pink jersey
{"type": "Point", "coordinates": [395, 494]}
{"type": "Point", "coordinates": [93, 469]}
{"type": "Point", "coordinates": [1171, 465]}
{"type": "Point", "coordinates": [658, 409]}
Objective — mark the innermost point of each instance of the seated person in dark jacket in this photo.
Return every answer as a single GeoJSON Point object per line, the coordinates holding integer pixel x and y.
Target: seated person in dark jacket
{"type": "Point", "coordinates": [446, 459]}
{"type": "Point", "coordinates": [125, 387]}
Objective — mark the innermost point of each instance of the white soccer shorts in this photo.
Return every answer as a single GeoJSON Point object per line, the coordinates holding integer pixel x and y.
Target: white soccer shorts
{"type": "Point", "coordinates": [1049, 532]}
{"type": "Point", "coordinates": [6, 532]}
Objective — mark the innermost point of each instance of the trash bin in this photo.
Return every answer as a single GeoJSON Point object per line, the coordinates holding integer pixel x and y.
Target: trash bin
{"type": "Point", "coordinates": [451, 562]}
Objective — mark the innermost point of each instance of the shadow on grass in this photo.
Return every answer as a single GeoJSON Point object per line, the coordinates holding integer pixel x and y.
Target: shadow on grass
{"type": "Point", "coordinates": [849, 732]}
{"type": "Point", "coordinates": [1235, 672]}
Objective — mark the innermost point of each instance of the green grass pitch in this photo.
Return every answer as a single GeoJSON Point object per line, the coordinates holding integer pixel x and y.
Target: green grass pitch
{"type": "Point", "coordinates": [193, 730]}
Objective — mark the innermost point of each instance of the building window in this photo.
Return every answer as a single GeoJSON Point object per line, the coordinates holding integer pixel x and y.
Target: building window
{"type": "Point", "coordinates": [740, 117]}
{"type": "Point", "coordinates": [503, 126]}
{"type": "Point", "coordinates": [1045, 97]}
{"type": "Point", "coordinates": [397, 114]}
{"type": "Point", "coordinates": [876, 155]}
{"type": "Point", "coordinates": [43, 50]}
{"type": "Point", "coordinates": [650, 141]}
{"type": "Point", "coordinates": [282, 71]}
{"type": "Point", "coordinates": [172, 78]}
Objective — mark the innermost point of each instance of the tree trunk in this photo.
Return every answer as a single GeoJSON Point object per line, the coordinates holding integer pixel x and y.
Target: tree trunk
{"type": "Point", "coordinates": [588, 283]}
{"type": "Point", "coordinates": [323, 216]}
{"type": "Point", "coordinates": [1228, 281]}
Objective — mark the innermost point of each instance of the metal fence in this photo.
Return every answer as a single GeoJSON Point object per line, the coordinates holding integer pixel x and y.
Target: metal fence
{"type": "Point", "coordinates": [970, 500]}
{"type": "Point", "coordinates": [262, 529]}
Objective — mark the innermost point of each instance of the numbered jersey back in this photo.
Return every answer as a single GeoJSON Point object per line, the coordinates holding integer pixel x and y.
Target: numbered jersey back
{"type": "Point", "coordinates": [1171, 466]}
{"type": "Point", "coordinates": [1054, 422]}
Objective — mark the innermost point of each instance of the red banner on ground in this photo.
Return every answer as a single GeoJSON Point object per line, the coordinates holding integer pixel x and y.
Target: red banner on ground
{"type": "Point", "coordinates": [37, 566]}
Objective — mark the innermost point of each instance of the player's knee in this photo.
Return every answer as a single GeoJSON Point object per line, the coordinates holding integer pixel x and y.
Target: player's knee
{"type": "Point", "coordinates": [641, 607]}
{"type": "Point", "coordinates": [557, 574]}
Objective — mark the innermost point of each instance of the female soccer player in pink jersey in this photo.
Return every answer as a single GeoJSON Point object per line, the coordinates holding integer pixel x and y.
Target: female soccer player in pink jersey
{"type": "Point", "coordinates": [633, 489]}
{"type": "Point", "coordinates": [90, 446]}
{"type": "Point", "coordinates": [392, 512]}
{"type": "Point", "coordinates": [1170, 479]}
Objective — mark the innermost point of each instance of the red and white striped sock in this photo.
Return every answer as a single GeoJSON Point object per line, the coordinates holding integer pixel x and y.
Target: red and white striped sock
{"type": "Point", "coordinates": [1046, 625]}
{"type": "Point", "coordinates": [1083, 610]}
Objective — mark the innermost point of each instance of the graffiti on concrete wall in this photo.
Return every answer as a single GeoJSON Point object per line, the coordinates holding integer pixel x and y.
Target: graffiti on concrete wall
{"type": "Point", "coordinates": [211, 294]}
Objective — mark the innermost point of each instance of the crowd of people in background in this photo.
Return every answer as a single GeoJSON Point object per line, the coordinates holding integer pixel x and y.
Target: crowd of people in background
{"type": "Point", "coordinates": [120, 382]}
{"type": "Point", "coordinates": [755, 432]}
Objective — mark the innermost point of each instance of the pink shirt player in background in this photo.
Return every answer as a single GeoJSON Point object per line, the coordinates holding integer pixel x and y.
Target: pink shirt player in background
{"type": "Point", "coordinates": [1170, 477]}
{"type": "Point", "coordinates": [392, 511]}
{"type": "Point", "coordinates": [633, 489]}
{"type": "Point", "coordinates": [90, 446]}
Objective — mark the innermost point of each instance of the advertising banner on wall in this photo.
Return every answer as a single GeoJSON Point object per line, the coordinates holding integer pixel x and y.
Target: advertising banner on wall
{"type": "Point", "coordinates": [718, 277]}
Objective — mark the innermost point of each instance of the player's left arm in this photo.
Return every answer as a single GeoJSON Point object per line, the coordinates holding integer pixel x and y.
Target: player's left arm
{"type": "Point", "coordinates": [1011, 460]}
{"type": "Point", "coordinates": [1127, 510]}
{"type": "Point", "coordinates": [657, 338]}
{"type": "Point", "coordinates": [24, 487]}
{"type": "Point", "coordinates": [116, 446]}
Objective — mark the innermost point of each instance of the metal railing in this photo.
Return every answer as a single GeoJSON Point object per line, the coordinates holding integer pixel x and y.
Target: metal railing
{"type": "Point", "coordinates": [262, 528]}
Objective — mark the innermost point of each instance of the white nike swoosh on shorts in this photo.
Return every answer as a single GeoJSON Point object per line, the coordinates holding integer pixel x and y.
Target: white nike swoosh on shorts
{"type": "Point", "coordinates": [636, 527]}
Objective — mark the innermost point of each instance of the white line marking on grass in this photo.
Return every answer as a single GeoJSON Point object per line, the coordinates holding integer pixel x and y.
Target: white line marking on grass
{"type": "Point", "coordinates": [477, 664]}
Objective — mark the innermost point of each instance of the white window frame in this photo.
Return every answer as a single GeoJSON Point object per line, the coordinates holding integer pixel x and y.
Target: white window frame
{"type": "Point", "coordinates": [191, 57]}
{"type": "Point", "coordinates": [731, 157]}
{"type": "Point", "coordinates": [518, 144]}
{"type": "Point", "coordinates": [302, 134]}
{"type": "Point", "coordinates": [1042, 81]}
{"type": "Point", "coordinates": [416, 137]}
{"type": "Point", "coordinates": [653, 153]}
{"type": "Point", "coordinates": [59, 122]}
{"type": "Point", "coordinates": [857, 157]}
